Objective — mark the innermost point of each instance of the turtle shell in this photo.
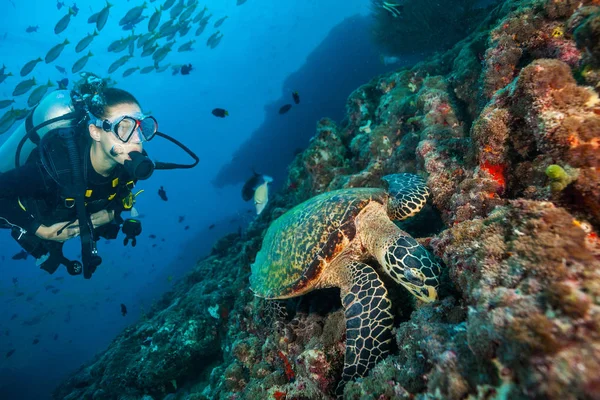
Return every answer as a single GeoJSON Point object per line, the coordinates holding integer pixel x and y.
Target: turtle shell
{"type": "Point", "coordinates": [301, 243]}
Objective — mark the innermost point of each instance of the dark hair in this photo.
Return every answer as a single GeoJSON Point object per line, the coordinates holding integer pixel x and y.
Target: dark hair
{"type": "Point", "coordinates": [114, 97]}
{"type": "Point", "coordinates": [92, 95]}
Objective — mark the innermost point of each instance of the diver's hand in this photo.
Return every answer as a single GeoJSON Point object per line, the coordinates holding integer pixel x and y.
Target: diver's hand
{"type": "Point", "coordinates": [51, 232]}
{"type": "Point", "coordinates": [102, 217]}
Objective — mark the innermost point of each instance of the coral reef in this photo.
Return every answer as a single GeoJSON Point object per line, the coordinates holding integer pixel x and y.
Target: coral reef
{"type": "Point", "coordinates": [505, 127]}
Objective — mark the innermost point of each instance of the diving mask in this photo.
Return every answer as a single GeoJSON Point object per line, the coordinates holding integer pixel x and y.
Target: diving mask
{"type": "Point", "coordinates": [125, 126]}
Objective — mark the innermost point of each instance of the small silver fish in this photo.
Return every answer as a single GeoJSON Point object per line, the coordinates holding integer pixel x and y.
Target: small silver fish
{"type": "Point", "coordinates": [147, 70]}
{"type": "Point", "coordinates": [93, 18]}
{"type": "Point", "coordinates": [6, 103]}
{"type": "Point", "coordinates": [118, 64]}
{"type": "Point", "coordinates": [154, 20]}
{"type": "Point", "coordinates": [62, 24]}
{"type": "Point", "coordinates": [24, 86]}
{"type": "Point", "coordinates": [220, 21]}
{"type": "Point", "coordinates": [163, 68]}
{"type": "Point", "coordinates": [85, 42]}
{"type": "Point", "coordinates": [38, 94]}
{"type": "Point", "coordinates": [200, 15]}
{"type": "Point", "coordinates": [130, 71]}
{"type": "Point", "coordinates": [186, 46]}
{"type": "Point", "coordinates": [132, 15]}
{"type": "Point", "coordinates": [187, 13]}
{"type": "Point", "coordinates": [175, 11]}
{"type": "Point", "coordinates": [27, 68]}
{"type": "Point", "coordinates": [103, 16]}
{"type": "Point", "coordinates": [54, 52]}
{"type": "Point", "coordinates": [168, 4]}
{"type": "Point", "coordinates": [7, 120]}
{"type": "Point", "coordinates": [79, 64]}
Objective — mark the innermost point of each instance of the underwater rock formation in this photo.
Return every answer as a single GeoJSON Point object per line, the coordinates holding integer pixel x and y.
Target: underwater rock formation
{"type": "Point", "coordinates": [505, 127]}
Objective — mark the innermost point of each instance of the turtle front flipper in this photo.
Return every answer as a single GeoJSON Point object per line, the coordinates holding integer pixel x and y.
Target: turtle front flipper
{"type": "Point", "coordinates": [369, 321]}
{"type": "Point", "coordinates": [408, 195]}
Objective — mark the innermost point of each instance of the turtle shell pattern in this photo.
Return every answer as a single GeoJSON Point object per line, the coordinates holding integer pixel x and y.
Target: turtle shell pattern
{"type": "Point", "coordinates": [304, 240]}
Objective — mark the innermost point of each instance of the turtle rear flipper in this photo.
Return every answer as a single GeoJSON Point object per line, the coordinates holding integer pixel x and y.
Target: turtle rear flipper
{"type": "Point", "coordinates": [369, 321]}
{"type": "Point", "coordinates": [408, 195]}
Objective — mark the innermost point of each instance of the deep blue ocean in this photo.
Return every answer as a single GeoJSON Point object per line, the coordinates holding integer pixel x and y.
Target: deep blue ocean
{"type": "Point", "coordinates": [270, 48]}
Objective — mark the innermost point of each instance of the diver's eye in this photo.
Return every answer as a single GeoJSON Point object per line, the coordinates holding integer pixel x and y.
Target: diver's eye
{"type": "Point", "coordinates": [413, 276]}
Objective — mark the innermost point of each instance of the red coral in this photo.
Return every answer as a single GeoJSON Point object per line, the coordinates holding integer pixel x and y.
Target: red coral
{"type": "Point", "coordinates": [278, 395]}
{"type": "Point", "coordinates": [289, 372]}
{"type": "Point", "coordinates": [496, 171]}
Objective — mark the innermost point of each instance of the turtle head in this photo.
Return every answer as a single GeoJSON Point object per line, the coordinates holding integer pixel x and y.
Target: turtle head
{"type": "Point", "coordinates": [422, 286]}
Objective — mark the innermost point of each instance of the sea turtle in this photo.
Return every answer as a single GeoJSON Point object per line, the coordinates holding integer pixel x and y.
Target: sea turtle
{"type": "Point", "coordinates": [325, 241]}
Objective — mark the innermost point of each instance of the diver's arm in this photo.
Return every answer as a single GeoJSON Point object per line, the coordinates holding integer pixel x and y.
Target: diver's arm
{"type": "Point", "coordinates": [25, 181]}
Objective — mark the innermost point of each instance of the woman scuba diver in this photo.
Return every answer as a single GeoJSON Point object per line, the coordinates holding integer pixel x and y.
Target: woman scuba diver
{"type": "Point", "coordinates": [80, 169]}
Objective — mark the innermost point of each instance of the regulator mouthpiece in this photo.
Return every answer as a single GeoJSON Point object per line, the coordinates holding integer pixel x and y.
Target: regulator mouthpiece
{"type": "Point", "coordinates": [140, 167]}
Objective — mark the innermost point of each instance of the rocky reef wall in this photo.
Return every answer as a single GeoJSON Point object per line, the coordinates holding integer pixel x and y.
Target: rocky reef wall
{"type": "Point", "coordinates": [505, 127]}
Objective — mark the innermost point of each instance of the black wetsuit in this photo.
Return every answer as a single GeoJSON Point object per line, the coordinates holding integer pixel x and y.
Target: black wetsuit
{"type": "Point", "coordinates": [29, 197]}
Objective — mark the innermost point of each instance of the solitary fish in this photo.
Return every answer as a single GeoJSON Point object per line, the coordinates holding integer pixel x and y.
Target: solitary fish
{"type": "Point", "coordinates": [38, 93]}
{"type": "Point", "coordinates": [240, 2]}
{"type": "Point", "coordinates": [103, 16]}
{"type": "Point", "coordinates": [163, 194]}
{"type": "Point", "coordinates": [31, 28]}
{"type": "Point", "coordinates": [79, 64]}
{"type": "Point", "coordinates": [261, 194]}
{"type": "Point", "coordinates": [118, 64]}
{"type": "Point", "coordinates": [220, 21]}
{"type": "Point", "coordinates": [85, 42]}
{"type": "Point", "coordinates": [296, 97]}
{"type": "Point", "coordinates": [154, 20]}
{"type": "Point", "coordinates": [60, 69]}
{"type": "Point", "coordinates": [7, 120]}
{"type": "Point", "coordinates": [185, 47]}
{"type": "Point", "coordinates": [55, 51]}
{"type": "Point", "coordinates": [130, 71]}
{"type": "Point", "coordinates": [285, 108]}
{"type": "Point", "coordinates": [27, 68]}
{"type": "Point", "coordinates": [6, 103]}
{"type": "Point", "coordinates": [62, 24]}
{"type": "Point", "coordinates": [220, 112]}
{"type": "Point", "coordinates": [23, 87]}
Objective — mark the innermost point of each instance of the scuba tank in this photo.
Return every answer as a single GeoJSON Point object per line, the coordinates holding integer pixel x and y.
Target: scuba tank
{"type": "Point", "coordinates": [55, 111]}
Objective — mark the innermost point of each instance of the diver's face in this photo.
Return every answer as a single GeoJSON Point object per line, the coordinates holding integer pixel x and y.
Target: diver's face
{"type": "Point", "coordinates": [112, 146]}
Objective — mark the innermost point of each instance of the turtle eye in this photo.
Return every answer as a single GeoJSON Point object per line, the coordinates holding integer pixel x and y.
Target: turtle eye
{"type": "Point", "coordinates": [414, 276]}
